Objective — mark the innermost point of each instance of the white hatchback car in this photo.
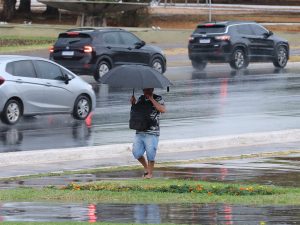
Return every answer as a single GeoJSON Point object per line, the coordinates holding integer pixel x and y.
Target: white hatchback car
{"type": "Point", "coordinates": [35, 86]}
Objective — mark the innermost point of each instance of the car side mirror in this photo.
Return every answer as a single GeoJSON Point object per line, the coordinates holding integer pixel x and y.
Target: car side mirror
{"type": "Point", "coordinates": [140, 44]}
{"type": "Point", "coordinates": [66, 78]}
{"type": "Point", "coordinates": [268, 34]}
{"type": "Point", "coordinates": [271, 33]}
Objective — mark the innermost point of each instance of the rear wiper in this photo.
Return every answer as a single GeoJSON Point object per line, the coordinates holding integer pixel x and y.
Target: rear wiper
{"type": "Point", "coordinates": [71, 42]}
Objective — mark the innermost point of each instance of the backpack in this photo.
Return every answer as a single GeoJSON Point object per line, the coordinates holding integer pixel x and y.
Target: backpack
{"type": "Point", "coordinates": [140, 115]}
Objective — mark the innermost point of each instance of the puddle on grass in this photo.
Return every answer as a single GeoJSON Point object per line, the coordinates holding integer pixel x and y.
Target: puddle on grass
{"type": "Point", "coordinates": [209, 214]}
{"type": "Point", "coordinates": [283, 171]}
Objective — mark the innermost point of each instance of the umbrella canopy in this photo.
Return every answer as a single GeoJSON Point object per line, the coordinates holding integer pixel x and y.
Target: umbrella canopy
{"type": "Point", "coordinates": [135, 76]}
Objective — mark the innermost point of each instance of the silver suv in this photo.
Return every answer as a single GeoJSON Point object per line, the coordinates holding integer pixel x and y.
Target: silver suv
{"type": "Point", "coordinates": [35, 86]}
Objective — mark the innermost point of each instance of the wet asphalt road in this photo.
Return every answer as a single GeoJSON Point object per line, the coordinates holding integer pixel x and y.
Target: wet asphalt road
{"type": "Point", "coordinates": [217, 101]}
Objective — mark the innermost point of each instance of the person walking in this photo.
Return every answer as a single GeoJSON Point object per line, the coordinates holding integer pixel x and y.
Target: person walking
{"type": "Point", "coordinates": [147, 140]}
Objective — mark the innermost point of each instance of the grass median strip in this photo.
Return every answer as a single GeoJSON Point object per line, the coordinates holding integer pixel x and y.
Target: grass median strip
{"type": "Point", "coordinates": [158, 191]}
{"type": "Point", "coordinates": [19, 43]}
{"type": "Point", "coordinates": [67, 223]}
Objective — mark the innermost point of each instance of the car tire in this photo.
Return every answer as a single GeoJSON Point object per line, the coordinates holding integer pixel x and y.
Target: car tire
{"type": "Point", "coordinates": [281, 57]}
{"type": "Point", "coordinates": [199, 65]}
{"type": "Point", "coordinates": [239, 59]}
{"type": "Point", "coordinates": [82, 107]}
{"type": "Point", "coordinates": [12, 112]}
{"type": "Point", "coordinates": [158, 65]}
{"type": "Point", "coordinates": [102, 68]}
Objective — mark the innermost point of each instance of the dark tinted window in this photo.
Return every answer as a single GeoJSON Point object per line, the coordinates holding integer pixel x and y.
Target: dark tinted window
{"type": "Point", "coordinates": [112, 38]}
{"type": "Point", "coordinates": [258, 30]}
{"type": "Point", "coordinates": [244, 29]}
{"type": "Point", "coordinates": [129, 39]}
{"type": "Point", "coordinates": [210, 29]}
{"type": "Point", "coordinates": [73, 38]}
{"type": "Point", "coordinates": [22, 68]}
{"type": "Point", "coordinates": [10, 68]}
{"type": "Point", "coordinates": [232, 29]}
{"type": "Point", "coordinates": [47, 70]}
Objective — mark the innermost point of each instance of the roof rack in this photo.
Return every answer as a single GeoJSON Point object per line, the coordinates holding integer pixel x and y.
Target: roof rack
{"type": "Point", "coordinates": [81, 29]}
{"type": "Point", "coordinates": [93, 29]}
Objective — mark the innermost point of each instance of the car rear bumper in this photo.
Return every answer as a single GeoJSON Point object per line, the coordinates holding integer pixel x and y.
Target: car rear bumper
{"type": "Point", "coordinates": [210, 57]}
{"type": "Point", "coordinates": [210, 53]}
{"type": "Point", "coordinates": [79, 68]}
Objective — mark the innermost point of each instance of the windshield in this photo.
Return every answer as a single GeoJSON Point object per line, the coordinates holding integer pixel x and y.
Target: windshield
{"type": "Point", "coordinates": [210, 29]}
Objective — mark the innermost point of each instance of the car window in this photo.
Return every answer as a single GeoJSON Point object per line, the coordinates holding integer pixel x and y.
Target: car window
{"type": "Point", "coordinates": [258, 30]}
{"type": "Point", "coordinates": [232, 29]}
{"type": "Point", "coordinates": [73, 38]}
{"type": "Point", "coordinates": [210, 29]}
{"type": "Point", "coordinates": [97, 39]}
{"type": "Point", "coordinates": [112, 38]}
{"type": "Point", "coordinates": [129, 39]}
{"type": "Point", "coordinates": [244, 29]}
{"type": "Point", "coordinates": [47, 70]}
{"type": "Point", "coordinates": [22, 68]}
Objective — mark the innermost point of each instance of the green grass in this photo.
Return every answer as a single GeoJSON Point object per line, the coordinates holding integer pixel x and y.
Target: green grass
{"type": "Point", "coordinates": [65, 223]}
{"type": "Point", "coordinates": [280, 196]}
{"type": "Point", "coordinates": [18, 43]}
{"type": "Point", "coordinates": [20, 49]}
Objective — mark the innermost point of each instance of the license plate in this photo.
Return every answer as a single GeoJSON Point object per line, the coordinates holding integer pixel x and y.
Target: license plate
{"type": "Point", "coordinates": [204, 41]}
{"type": "Point", "coordinates": [67, 53]}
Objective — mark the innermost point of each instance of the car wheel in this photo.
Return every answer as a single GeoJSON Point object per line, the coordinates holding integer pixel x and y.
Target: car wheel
{"type": "Point", "coordinates": [239, 59]}
{"type": "Point", "coordinates": [82, 107]}
{"type": "Point", "coordinates": [199, 65]}
{"type": "Point", "coordinates": [281, 58]}
{"type": "Point", "coordinates": [158, 65]}
{"type": "Point", "coordinates": [12, 112]}
{"type": "Point", "coordinates": [102, 68]}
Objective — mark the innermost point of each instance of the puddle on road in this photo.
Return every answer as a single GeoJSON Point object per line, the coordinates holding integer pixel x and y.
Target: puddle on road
{"type": "Point", "coordinates": [283, 171]}
{"type": "Point", "coordinates": [150, 213]}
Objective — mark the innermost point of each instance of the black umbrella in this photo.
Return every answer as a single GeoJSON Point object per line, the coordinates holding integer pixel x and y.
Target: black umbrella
{"type": "Point", "coordinates": [135, 76]}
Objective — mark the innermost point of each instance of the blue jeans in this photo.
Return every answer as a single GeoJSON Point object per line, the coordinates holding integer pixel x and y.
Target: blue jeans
{"type": "Point", "coordinates": [145, 143]}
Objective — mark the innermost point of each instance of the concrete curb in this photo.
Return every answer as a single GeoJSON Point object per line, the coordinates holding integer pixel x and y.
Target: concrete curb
{"type": "Point", "coordinates": [166, 146]}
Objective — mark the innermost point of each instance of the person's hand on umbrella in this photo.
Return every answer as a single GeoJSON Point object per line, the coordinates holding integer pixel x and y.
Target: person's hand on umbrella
{"type": "Point", "coordinates": [149, 96]}
{"type": "Point", "coordinates": [132, 100]}
{"type": "Point", "coordinates": [159, 107]}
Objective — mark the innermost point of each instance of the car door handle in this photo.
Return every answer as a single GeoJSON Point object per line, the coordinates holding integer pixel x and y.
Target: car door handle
{"type": "Point", "coordinates": [19, 81]}
{"type": "Point", "coordinates": [47, 84]}
{"type": "Point", "coordinates": [129, 48]}
{"type": "Point", "coordinates": [108, 47]}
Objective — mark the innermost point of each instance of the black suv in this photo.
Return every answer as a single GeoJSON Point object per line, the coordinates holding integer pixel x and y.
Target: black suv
{"type": "Point", "coordinates": [90, 51]}
{"type": "Point", "coordinates": [237, 43]}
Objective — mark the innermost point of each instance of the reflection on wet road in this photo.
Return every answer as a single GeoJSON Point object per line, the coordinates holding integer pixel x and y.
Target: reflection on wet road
{"type": "Point", "coordinates": [217, 101]}
{"type": "Point", "coordinates": [205, 214]}
{"type": "Point", "coordinates": [282, 171]}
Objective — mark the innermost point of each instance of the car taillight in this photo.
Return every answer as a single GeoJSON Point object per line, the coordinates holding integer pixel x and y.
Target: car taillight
{"type": "Point", "coordinates": [191, 38]}
{"type": "Point", "coordinates": [87, 49]}
{"type": "Point", "coordinates": [51, 49]}
{"type": "Point", "coordinates": [2, 80]}
{"type": "Point", "coordinates": [223, 38]}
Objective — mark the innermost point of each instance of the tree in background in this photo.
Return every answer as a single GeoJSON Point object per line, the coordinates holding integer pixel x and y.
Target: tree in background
{"type": "Point", "coordinates": [24, 6]}
{"type": "Point", "coordinates": [50, 11]}
{"type": "Point", "coordinates": [9, 9]}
